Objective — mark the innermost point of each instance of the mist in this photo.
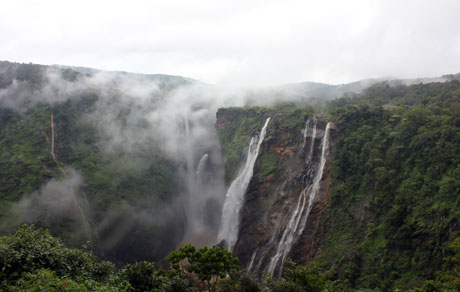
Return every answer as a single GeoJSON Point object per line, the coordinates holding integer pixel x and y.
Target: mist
{"type": "Point", "coordinates": [168, 117]}
{"type": "Point", "coordinates": [57, 203]}
{"type": "Point", "coordinates": [175, 117]}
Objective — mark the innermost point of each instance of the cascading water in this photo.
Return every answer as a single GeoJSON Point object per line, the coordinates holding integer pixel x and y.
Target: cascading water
{"type": "Point", "coordinates": [305, 133]}
{"type": "Point", "coordinates": [201, 175]}
{"type": "Point", "coordinates": [201, 167]}
{"type": "Point", "coordinates": [299, 217]}
{"type": "Point", "coordinates": [312, 144]}
{"type": "Point", "coordinates": [251, 262]}
{"type": "Point", "coordinates": [229, 227]}
{"type": "Point", "coordinates": [273, 238]}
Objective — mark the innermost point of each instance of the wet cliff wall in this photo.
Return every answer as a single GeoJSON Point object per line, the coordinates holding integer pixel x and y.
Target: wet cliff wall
{"type": "Point", "coordinates": [288, 164]}
{"type": "Point", "coordinates": [388, 202]}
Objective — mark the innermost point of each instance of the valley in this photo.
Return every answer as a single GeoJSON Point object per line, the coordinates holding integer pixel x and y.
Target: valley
{"type": "Point", "coordinates": [362, 179]}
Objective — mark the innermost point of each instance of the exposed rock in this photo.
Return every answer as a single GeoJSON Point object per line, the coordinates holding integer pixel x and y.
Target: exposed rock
{"type": "Point", "coordinates": [271, 199]}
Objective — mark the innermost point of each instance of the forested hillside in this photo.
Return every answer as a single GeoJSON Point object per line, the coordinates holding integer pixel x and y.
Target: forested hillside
{"type": "Point", "coordinates": [64, 166]}
{"type": "Point", "coordinates": [393, 209]}
{"type": "Point", "coordinates": [395, 205]}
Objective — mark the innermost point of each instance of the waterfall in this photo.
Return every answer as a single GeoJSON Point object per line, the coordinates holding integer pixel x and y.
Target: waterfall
{"type": "Point", "coordinates": [201, 167]}
{"type": "Point", "coordinates": [299, 217]}
{"type": "Point", "coordinates": [312, 144]}
{"type": "Point", "coordinates": [251, 262]}
{"type": "Point", "coordinates": [305, 133]}
{"type": "Point", "coordinates": [230, 221]}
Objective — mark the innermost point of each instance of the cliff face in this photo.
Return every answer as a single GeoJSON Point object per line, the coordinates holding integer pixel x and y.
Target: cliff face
{"type": "Point", "coordinates": [384, 210]}
{"type": "Point", "coordinates": [288, 165]}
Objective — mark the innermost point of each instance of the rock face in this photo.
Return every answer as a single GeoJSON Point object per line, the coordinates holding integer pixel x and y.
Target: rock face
{"type": "Point", "coordinates": [277, 222]}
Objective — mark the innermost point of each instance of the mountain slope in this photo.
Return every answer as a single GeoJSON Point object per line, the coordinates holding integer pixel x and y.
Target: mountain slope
{"type": "Point", "coordinates": [389, 201]}
{"type": "Point", "coordinates": [395, 200]}
{"type": "Point", "coordinates": [66, 167]}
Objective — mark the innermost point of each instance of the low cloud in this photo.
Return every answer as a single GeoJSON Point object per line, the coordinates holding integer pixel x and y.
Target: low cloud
{"type": "Point", "coordinates": [57, 203]}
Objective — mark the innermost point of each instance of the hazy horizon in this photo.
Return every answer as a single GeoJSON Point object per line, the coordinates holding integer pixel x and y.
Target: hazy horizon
{"type": "Point", "coordinates": [239, 43]}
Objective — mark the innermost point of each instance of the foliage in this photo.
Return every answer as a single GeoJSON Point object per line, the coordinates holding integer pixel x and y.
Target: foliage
{"type": "Point", "coordinates": [236, 128]}
{"type": "Point", "coordinates": [394, 206]}
{"type": "Point", "coordinates": [25, 160]}
{"type": "Point", "coordinates": [46, 280]}
{"type": "Point", "coordinates": [30, 249]}
{"type": "Point", "coordinates": [33, 260]}
{"type": "Point", "coordinates": [208, 263]}
{"type": "Point", "coordinates": [238, 125]}
{"type": "Point", "coordinates": [141, 276]}
{"type": "Point", "coordinates": [240, 281]}
{"type": "Point", "coordinates": [114, 181]}
{"type": "Point", "coordinates": [299, 279]}
{"type": "Point", "coordinates": [178, 283]}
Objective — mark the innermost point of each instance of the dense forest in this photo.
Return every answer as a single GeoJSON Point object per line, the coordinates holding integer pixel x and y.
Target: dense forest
{"type": "Point", "coordinates": [46, 173]}
{"type": "Point", "coordinates": [33, 260]}
{"type": "Point", "coordinates": [395, 204]}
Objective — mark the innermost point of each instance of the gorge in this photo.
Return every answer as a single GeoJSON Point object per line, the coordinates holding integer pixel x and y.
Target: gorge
{"type": "Point", "coordinates": [366, 185]}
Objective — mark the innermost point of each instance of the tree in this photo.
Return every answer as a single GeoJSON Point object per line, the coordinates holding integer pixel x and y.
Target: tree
{"type": "Point", "coordinates": [240, 281]}
{"type": "Point", "coordinates": [208, 263]}
{"type": "Point", "coordinates": [299, 279]}
{"type": "Point", "coordinates": [141, 276]}
{"type": "Point", "coordinates": [30, 249]}
{"type": "Point", "coordinates": [46, 280]}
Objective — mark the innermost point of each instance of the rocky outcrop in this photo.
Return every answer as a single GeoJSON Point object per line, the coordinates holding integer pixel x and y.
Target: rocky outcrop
{"type": "Point", "coordinates": [283, 169]}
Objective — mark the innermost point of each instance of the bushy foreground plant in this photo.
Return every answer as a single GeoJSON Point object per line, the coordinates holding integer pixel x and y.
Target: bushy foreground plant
{"type": "Point", "coordinates": [299, 279]}
{"type": "Point", "coordinates": [33, 260]}
{"type": "Point", "coordinates": [46, 280]}
{"type": "Point", "coordinates": [30, 249]}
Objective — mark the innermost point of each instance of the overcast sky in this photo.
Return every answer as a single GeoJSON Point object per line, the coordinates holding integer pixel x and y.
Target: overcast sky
{"type": "Point", "coordinates": [239, 42]}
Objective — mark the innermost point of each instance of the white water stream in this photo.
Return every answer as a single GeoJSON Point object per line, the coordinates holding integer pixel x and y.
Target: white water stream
{"type": "Point", "coordinates": [299, 217]}
{"type": "Point", "coordinates": [230, 221]}
{"type": "Point", "coordinates": [201, 167]}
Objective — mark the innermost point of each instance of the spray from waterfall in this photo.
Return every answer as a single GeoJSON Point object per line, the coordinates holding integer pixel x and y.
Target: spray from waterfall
{"type": "Point", "coordinates": [230, 221]}
{"type": "Point", "coordinates": [201, 174]}
{"type": "Point", "coordinates": [188, 144]}
{"type": "Point", "coordinates": [299, 217]}
{"type": "Point", "coordinates": [305, 133]}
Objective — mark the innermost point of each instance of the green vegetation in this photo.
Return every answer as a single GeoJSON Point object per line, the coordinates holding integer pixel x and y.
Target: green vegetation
{"type": "Point", "coordinates": [113, 182]}
{"type": "Point", "coordinates": [25, 158]}
{"type": "Point", "coordinates": [235, 135]}
{"type": "Point", "coordinates": [300, 278]}
{"type": "Point", "coordinates": [33, 260]}
{"type": "Point", "coordinates": [268, 164]}
{"type": "Point", "coordinates": [394, 209]}
{"type": "Point", "coordinates": [238, 125]}
{"type": "Point", "coordinates": [395, 203]}
{"type": "Point", "coordinates": [32, 73]}
{"type": "Point", "coordinates": [110, 179]}
{"type": "Point", "coordinates": [209, 264]}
